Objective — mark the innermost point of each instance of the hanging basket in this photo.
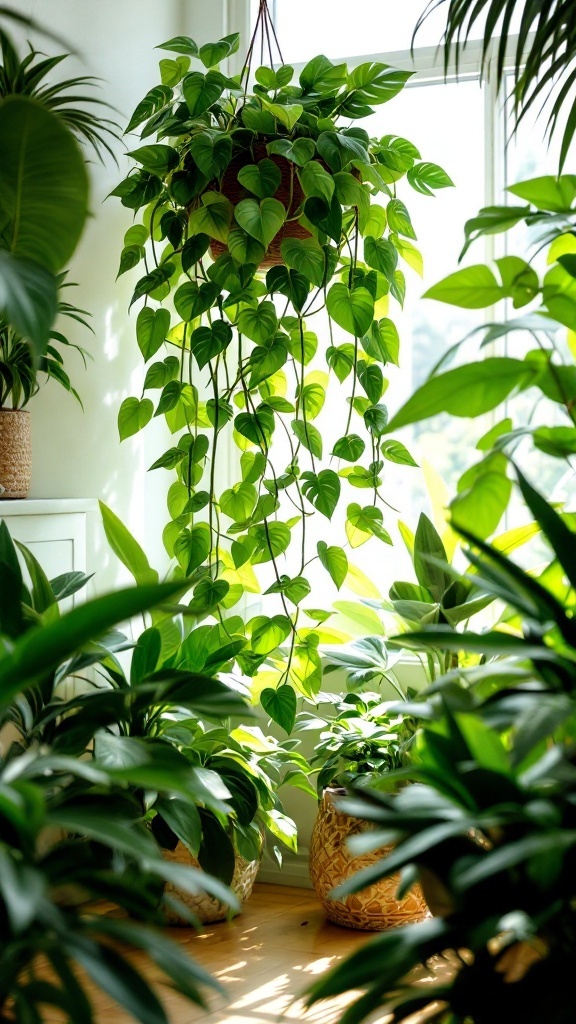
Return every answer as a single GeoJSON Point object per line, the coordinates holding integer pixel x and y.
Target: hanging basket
{"type": "Point", "coordinates": [331, 863]}
{"type": "Point", "coordinates": [206, 908]}
{"type": "Point", "coordinates": [289, 193]}
{"type": "Point", "coordinates": [15, 453]}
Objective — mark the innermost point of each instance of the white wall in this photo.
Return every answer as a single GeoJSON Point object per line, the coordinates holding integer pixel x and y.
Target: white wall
{"type": "Point", "coordinates": [78, 454]}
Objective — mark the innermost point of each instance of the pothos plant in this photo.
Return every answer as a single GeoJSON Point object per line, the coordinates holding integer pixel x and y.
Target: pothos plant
{"type": "Point", "coordinates": [265, 211]}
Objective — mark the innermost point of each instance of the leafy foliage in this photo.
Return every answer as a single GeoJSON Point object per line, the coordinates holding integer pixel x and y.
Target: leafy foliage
{"type": "Point", "coordinates": [259, 209]}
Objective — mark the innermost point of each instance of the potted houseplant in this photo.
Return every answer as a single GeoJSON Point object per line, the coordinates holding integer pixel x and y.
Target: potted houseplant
{"type": "Point", "coordinates": [364, 739]}
{"type": "Point", "coordinates": [262, 207]}
{"type": "Point", "coordinates": [44, 207]}
{"type": "Point", "coordinates": [54, 789]}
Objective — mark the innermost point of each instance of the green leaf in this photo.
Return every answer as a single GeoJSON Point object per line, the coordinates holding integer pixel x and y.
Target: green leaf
{"type": "Point", "coordinates": [322, 490]}
{"type": "Point", "coordinates": [238, 502]}
{"type": "Point", "coordinates": [426, 176]}
{"type": "Point", "coordinates": [380, 254]}
{"type": "Point", "coordinates": [266, 361]}
{"type": "Point", "coordinates": [213, 53]}
{"type": "Point", "coordinates": [280, 705]}
{"type": "Point", "coordinates": [157, 159]}
{"type": "Point", "coordinates": [327, 217]}
{"type": "Point", "coordinates": [351, 310]}
{"type": "Point", "coordinates": [256, 427]}
{"type": "Point", "coordinates": [396, 452]}
{"type": "Point", "coordinates": [42, 595]}
{"type": "Point", "coordinates": [268, 633]}
{"type": "Point", "coordinates": [173, 71]}
{"type": "Point", "coordinates": [150, 282]}
{"type": "Point", "coordinates": [28, 299]}
{"type": "Point", "coordinates": [428, 551]}
{"type": "Point", "coordinates": [180, 44]}
{"type": "Point", "coordinates": [341, 360]}
{"type": "Point", "coordinates": [152, 103]}
{"type": "Point", "coordinates": [350, 448]}
{"type": "Point", "coordinates": [316, 181]}
{"type": "Point", "coordinates": [309, 436]}
{"type": "Point", "coordinates": [260, 323]}
{"type": "Point", "coordinates": [126, 547]}
{"type": "Point", "coordinates": [363, 523]}
{"type": "Point", "coordinates": [466, 391]}
{"type": "Point", "coordinates": [290, 283]}
{"type": "Point", "coordinates": [470, 288]}
{"type": "Point", "coordinates": [43, 184]}
{"type": "Point", "coordinates": [298, 151]}
{"type": "Point", "coordinates": [208, 342]}
{"type": "Point", "coordinates": [383, 342]}
{"type": "Point", "coordinates": [480, 506]}
{"type": "Point", "coordinates": [214, 217]}
{"type": "Point", "coordinates": [334, 561]}
{"type": "Point", "coordinates": [193, 250]}
{"type": "Point", "coordinates": [212, 152]}
{"type": "Point", "coordinates": [244, 248]}
{"type": "Point", "coordinates": [201, 91]}
{"type": "Point", "coordinates": [372, 380]}
{"type": "Point", "coordinates": [262, 178]}
{"type": "Point", "coordinates": [376, 419]}
{"type": "Point", "coordinates": [547, 193]}
{"type": "Point", "coordinates": [133, 415]}
{"type": "Point", "coordinates": [192, 299]}
{"type": "Point", "coordinates": [306, 256]}
{"type": "Point", "coordinates": [270, 541]}
{"type": "Point", "coordinates": [288, 114]}
{"type": "Point", "coordinates": [261, 220]}
{"type": "Point", "coordinates": [377, 82]}
{"type": "Point", "coordinates": [152, 326]}
{"type": "Point", "coordinates": [158, 374]}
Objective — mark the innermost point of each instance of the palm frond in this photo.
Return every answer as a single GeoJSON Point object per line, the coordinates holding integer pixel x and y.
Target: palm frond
{"type": "Point", "coordinates": [539, 56]}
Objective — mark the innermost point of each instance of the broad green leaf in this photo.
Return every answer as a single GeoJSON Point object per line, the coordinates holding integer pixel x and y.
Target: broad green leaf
{"type": "Point", "coordinates": [372, 380]}
{"type": "Point", "coordinates": [266, 361]}
{"type": "Point", "coordinates": [396, 452]}
{"type": "Point", "coordinates": [126, 547]}
{"type": "Point", "coordinates": [213, 53]}
{"type": "Point", "coordinates": [470, 288]}
{"type": "Point", "coordinates": [316, 181]}
{"type": "Point", "coordinates": [351, 448]}
{"type": "Point", "coordinates": [152, 103]}
{"type": "Point", "coordinates": [153, 281]}
{"type": "Point", "coordinates": [208, 342]}
{"type": "Point", "coordinates": [334, 561]}
{"type": "Point", "coordinates": [322, 490]}
{"type": "Point", "coordinates": [380, 254]}
{"type": "Point", "coordinates": [172, 71]}
{"type": "Point", "coordinates": [158, 158]}
{"type": "Point", "coordinates": [377, 82]}
{"type": "Point", "coordinates": [372, 221]}
{"type": "Point", "coordinates": [547, 193]}
{"type": "Point", "coordinates": [351, 310]}
{"type": "Point", "coordinates": [259, 323]}
{"type": "Point", "coordinates": [43, 184]}
{"type": "Point", "coordinates": [238, 502]}
{"type": "Point", "coordinates": [192, 299]}
{"type": "Point", "coordinates": [309, 436]}
{"type": "Point", "coordinates": [383, 342]}
{"type": "Point", "coordinates": [466, 391]}
{"type": "Point", "coordinates": [363, 523]}
{"type": "Point", "coordinates": [262, 178]}
{"type": "Point", "coordinates": [426, 176]}
{"type": "Point", "coordinates": [133, 415]}
{"type": "Point", "coordinates": [28, 299]}
{"type": "Point", "coordinates": [270, 541]}
{"type": "Point", "coordinates": [280, 704]}
{"type": "Point", "coordinates": [480, 507]}
{"type": "Point", "coordinates": [212, 152]}
{"type": "Point", "coordinates": [261, 220]}
{"type": "Point", "coordinates": [306, 256]}
{"type": "Point", "coordinates": [288, 114]}
{"type": "Point", "coordinates": [399, 219]}
{"type": "Point", "coordinates": [152, 326]}
{"type": "Point", "coordinates": [409, 253]}
{"type": "Point", "coordinates": [298, 151]}
{"type": "Point", "coordinates": [268, 633]}
{"type": "Point", "coordinates": [244, 248]}
{"type": "Point", "coordinates": [376, 419]}
{"type": "Point", "coordinates": [201, 91]}
{"type": "Point", "coordinates": [213, 217]}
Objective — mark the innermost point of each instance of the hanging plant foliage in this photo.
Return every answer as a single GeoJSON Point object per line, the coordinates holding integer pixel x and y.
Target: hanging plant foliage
{"type": "Point", "coordinates": [270, 247]}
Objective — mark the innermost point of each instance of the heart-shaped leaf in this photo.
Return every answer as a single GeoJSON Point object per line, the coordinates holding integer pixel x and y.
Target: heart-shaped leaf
{"type": "Point", "coordinates": [380, 254]}
{"type": "Point", "coordinates": [201, 91]}
{"type": "Point", "coordinates": [238, 502]}
{"type": "Point", "coordinates": [350, 448]}
{"type": "Point", "coordinates": [244, 248]}
{"type": "Point", "coordinates": [316, 181]}
{"type": "Point", "coordinates": [269, 633]}
{"type": "Point", "coordinates": [207, 342]}
{"type": "Point", "coordinates": [363, 523]}
{"type": "Point", "coordinates": [309, 436]}
{"type": "Point", "coordinates": [280, 704]}
{"type": "Point", "coordinates": [334, 560]}
{"type": "Point", "coordinates": [259, 323]}
{"type": "Point", "coordinates": [298, 151]}
{"type": "Point", "coordinates": [266, 361]}
{"type": "Point", "coordinates": [261, 220]}
{"type": "Point", "coordinates": [322, 490]}
{"type": "Point", "coordinates": [214, 217]}
{"type": "Point", "coordinates": [191, 299]}
{"type": "Point", "coordinates": [133, 415]}
{"type": "Point", "coordinates": [327, 217]}
{"type": "Point", "coordinates": [305, 255]}
{"type": "Point", "coordinates": [352, 310]}
{"type": "Point", "coordinates": [262, 178]}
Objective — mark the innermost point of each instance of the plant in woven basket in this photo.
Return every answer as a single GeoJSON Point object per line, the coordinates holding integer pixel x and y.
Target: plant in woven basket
{"type": "Point", "coordinates": [266, 212]}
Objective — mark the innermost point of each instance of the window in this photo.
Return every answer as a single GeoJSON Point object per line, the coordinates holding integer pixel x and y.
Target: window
{"type": "Point", "coordinates": [462, 126]}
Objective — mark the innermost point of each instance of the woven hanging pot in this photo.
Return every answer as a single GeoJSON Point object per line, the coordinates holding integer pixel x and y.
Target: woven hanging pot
{"type": "Point", "coordinates": [288, 193]}
{"type": "Point", "coordinates": [331, 863]}
{"type": "Point", "coordinates": [206, 908]}
{"type": "Point", "coordinates": [15, 453]}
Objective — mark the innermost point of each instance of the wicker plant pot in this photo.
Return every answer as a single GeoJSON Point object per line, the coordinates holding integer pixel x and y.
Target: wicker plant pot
{"type": "Point", "coordinates": [288, 193]}
{"type": "Point", "coordinates": [15, 453]}
{"type": "Point", "coordinates": [375, 908]}
{"type": "Point", "coordinates": [206, 908]}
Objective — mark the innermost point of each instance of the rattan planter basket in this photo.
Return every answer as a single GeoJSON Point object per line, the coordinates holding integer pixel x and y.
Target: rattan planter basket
{"type": "Point", "coordinates": [206, 908]}
{"type": "Point", "coordinates": [288, 193]}
{"type": "Point", "coordinates": [15, 453]}
{"type": "Point", "coordinates": [375, 908]}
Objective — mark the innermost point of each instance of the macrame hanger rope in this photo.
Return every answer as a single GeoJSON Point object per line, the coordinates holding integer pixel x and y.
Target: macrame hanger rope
{"type": "Point", "coordinates": [265, 34]}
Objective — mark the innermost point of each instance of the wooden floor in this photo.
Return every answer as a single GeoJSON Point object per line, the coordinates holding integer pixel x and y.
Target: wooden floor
{"type": "Point", "coordinates": [264, 958]}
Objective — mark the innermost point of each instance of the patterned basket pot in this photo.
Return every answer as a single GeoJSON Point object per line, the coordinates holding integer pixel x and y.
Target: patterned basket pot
{"type": "Point", "coordinates": [331, 863]}
{"type": "Point", "coordinates": [206, 908]}
{"type": "Point", "coordinates": [289, 193]}
{"type": "Point", "coordinates": [15, 453]}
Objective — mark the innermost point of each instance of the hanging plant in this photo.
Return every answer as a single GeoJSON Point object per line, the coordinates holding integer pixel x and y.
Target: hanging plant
{"type": "Point", "coordinates": [267, 212]}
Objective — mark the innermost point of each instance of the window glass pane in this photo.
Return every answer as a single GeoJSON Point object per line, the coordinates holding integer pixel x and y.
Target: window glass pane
{"type": "Point", "coordinates": [341, 29]}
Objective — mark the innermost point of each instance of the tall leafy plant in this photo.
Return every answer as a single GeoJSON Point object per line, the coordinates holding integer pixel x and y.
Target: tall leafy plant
{"type": "Point", "coordinates": [265, 213]}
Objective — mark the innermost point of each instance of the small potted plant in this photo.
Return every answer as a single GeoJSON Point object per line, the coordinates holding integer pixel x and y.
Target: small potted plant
{"type": "Point", "coordinates": [366, 739]}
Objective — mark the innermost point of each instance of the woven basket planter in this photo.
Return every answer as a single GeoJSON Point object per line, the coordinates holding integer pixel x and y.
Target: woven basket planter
{"type": "Point", "coordinates": [15, 453]}
{"type": "Point", "coordinates": [204, 907]}
{"type": "Point", "coordinates": [331, 863]}
{"type": "Point", "coordinates": [288, 193]}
